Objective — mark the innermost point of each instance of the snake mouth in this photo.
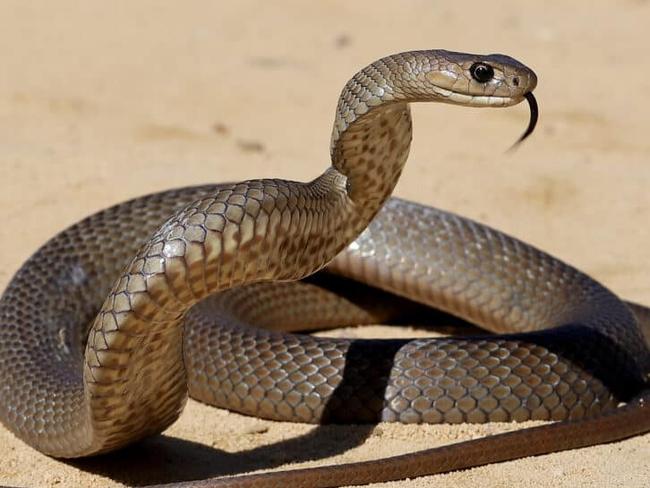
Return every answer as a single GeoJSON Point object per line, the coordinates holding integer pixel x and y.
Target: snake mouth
{"type": "Point", "coordinates": [463, 98]}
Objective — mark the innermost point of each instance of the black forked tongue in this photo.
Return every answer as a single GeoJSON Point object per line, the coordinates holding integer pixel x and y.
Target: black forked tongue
{"type": "Point", "coordinates": [534, 115]}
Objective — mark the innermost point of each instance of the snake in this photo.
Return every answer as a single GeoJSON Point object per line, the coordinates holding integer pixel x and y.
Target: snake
{"type": "Point", "coordinates": [204, 290]}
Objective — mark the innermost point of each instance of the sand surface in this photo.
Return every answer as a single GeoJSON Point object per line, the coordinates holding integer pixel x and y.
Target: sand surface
{"type": "Point", "coordinates": [101, 101]}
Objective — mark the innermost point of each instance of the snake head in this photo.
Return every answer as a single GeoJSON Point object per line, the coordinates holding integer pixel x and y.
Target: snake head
{"type": "Point", "coordinates": [493, 80]}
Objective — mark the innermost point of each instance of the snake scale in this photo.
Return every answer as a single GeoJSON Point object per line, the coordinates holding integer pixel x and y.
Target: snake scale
{"type": "Point", "coordinates": [105, 328]}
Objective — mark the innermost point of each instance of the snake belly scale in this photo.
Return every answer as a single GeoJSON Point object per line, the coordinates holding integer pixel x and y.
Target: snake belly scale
{"type": "Point", "coordinates": [107, 326]}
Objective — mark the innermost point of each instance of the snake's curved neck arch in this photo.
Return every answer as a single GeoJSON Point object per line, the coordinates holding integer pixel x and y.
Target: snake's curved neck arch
{"type": "Point", "coordinates": [372, 133]}
{"type": "Point", "coordinates": [288, 230]}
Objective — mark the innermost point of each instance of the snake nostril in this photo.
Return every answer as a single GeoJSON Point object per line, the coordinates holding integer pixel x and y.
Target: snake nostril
{"type": "Point", "coordinates": [515, 81]}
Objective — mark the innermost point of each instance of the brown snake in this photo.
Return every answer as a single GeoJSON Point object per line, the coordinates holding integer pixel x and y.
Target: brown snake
{"type": "Point", "coordinates": [100, 339]}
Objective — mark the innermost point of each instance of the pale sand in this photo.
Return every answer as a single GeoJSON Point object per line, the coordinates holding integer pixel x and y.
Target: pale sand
{"type": "Point", "coordinates": [99, 104]}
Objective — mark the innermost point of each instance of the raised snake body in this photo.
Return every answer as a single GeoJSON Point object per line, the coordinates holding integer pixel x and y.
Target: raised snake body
{"type": "Point", "coordinates": [573, 350]}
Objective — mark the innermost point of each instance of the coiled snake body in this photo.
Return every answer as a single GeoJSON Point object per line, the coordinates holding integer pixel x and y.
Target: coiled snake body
{"type": "Point", "coordinates": [77, 382]}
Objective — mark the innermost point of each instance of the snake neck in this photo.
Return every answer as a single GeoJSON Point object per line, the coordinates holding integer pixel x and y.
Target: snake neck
{"type": "Point", "coordinates": [371, 153]}
{"type": "Point", "coordinates": [372, 130]}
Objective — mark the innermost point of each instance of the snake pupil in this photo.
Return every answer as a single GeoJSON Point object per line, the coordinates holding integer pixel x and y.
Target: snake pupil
{"type": "Point", "coordinates": [481, 72]}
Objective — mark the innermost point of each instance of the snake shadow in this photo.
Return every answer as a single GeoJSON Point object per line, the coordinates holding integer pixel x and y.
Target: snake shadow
{"type": "Point", "coordinates": [165, 459]}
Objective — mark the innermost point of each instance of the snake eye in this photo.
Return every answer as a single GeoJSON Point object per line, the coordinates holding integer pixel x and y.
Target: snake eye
{"type": "Point", "coordinates": [481, 72]}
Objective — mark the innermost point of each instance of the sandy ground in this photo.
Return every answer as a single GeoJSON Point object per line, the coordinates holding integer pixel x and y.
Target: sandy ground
{"type": "Point", "coordinates": [100, 102]}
